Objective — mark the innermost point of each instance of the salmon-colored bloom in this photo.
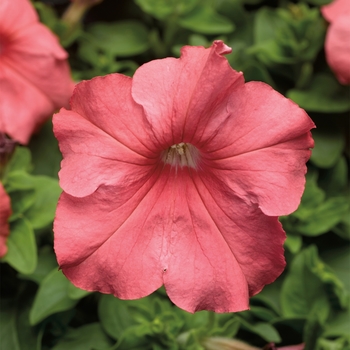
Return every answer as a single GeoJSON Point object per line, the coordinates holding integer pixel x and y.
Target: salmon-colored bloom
{"type": "Point", "coordinates": [176, 177]}
{"type": "Point", "coordinates": [337, 45]}
{"type": "Point", "coordinates": [34, 74]}
{"type": "Point", "coordinates": [5, 213]}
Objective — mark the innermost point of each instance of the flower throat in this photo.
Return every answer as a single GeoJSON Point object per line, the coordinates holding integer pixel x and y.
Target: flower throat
{"type": "Point", "coordinates": [181, 154]}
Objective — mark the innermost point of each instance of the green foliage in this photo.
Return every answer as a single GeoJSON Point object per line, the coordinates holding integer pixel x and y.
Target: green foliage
{"type": "Point", "coordinates": [22, 251]}
{"type": "Point", "coordinates": [162, 9]}
{"type": "Point", "coordinates": [51, 297]}
{"type": "Point", "coordinates": [206, 21]}
{"type": "Point", "coordinates": [33, 203]}
{"type": "Point", "coordinates": [15, 330]}
{"type": "Point", "coordinates": [88, 337]}
{"type": "Point", "coordinates": [322, 94]}
{"type": "Point", "coordinates": [325, 203]}
{"type": "Point", "coordinates": [124, 38]}
{"type": "Point", "coordinates": [281, 45]}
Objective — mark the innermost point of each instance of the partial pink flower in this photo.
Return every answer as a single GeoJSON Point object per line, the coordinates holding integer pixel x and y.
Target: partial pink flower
{"type": "Point", "coordinates": [176, 177]}
{"type": "Point", "coordinates": [337, 45]}
{"type": "Point", "coordinates": [272, 346]}
{"type": "Point", "coordinates": [34, 73]}
{"type": "Point", "coordinates": [5, 213]}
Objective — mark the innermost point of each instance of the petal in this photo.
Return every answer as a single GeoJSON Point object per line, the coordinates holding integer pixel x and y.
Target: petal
{"type": "Point", "coordinates": [99, 146]}
{"type": "Point", "coordinates": [115, 248]}
{"type": "Point", "coordinates": [20, 120]}
{"type": "Point", "coordinates": [179, 95]}
{"type": "Point", "coordinates": [26, 42]}
{"type": "Point", "coordinates": [336, 8]}
{"type": "Point", "coordinates": [107, 103]}
{"type": "Point", "coordinates": [16, 15]}
{"type": "Point", "coordinates": [30, 54]}
{"type": "Point", "coordinates": [261, 151]}
{"type": "Point", "coordinates": [337, 47]}
{"type": "Point", "coordinates": [35, 60]}
{"type": "Point", "coordinates": [201, 269]}
{"type": "Point", "coordinates": [169, 231]}
{"type": "Point", "coordinates": [254, 239]}
{"type": "Point", "coordinates": [5, 213]}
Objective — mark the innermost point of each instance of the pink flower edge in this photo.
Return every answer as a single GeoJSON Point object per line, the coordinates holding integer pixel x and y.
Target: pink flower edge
{"type": "Point", "coordinates": [337, 48]}
{"type": "Point", "coordinates": [337, 44]}
{"type": "Point", "coordinates": [34, 67]}
{"type": "Point", "coordinates": [335, 9]}
{"type": "Point", "coordinates": [5, 213]}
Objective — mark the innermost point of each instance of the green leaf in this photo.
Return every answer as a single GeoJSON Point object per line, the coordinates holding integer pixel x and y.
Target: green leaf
{"type": "Point", "coordinates": [20, 161]}
{"type": "Point", "coordinates": [265, 330]}
{"type": "Point", "coordinates": [162, 9]}
{"type": "Point", "coordinates": [229, 329]}
{"type": "Point", "coordinates": [22, 251]}
{"type": "Point", "coordinates": [15, 330]}
{"type": "Point", "coordinates": [312, 196]}
{"type": "Point", "coordinates": [316, 213]}
{"type": "Point", "coordinates": [293, 243]}
{"type": "Point", "coordinates": [265, 25]}
{"type": "Point", "coordinates": [324, 217]}
{"type": "Point", "coordinates": [309, 286]}
{"type": "Point", "coordinates": [329, 278]}
{"type": "Point", "coordinates": [324, 95]}
{"type": "Point", "coordinates": [76, 293]}
{"type": "Point", "coordinates": [337, 344]}
{"type": "Point", "coordinates": [46, 156]}
{"type": "Point", "coordinates": [123, 38]}
{"type": "Point", "coordinates": [329, 145]}
{"type": "Point", "coordinates": [8, 328]}
{"type": "Point", "coordinates": [198, 40]}
{"type": "Point", "coordinates": [343, 228]}
{"type": "Point", "coordinates": [270, 296]}
{"type": "Point", "coordinates": [313, 330]}
{"type": "Point", "coordinates": [47, 192]}
{"type": "Point", "coordinates": [302, 291]}
{"type": "Point", "coordinates": [338, 259]}
{"type": "Point", "coordinates": [204, 20]}
{"type": "Point", "coordinates": [232, 9]}
{"type": "Point", "coordinates": [319, 2]}
{"type": "Point", "coordinates": [46, 263]}
{"type": "Point", "coordinates": [87, 337]}
{"type": "Point", "coordinates": [339, 325]}
{"type": "Point", "coordinates": [51, 297]}
{"type": "Point", "coordinates": [115, 315]}
{"type": "Point", "coordinates": [293, 327]}
{"type": "Point", "coordinates": [135, 338]}
{"type": "Point", "coordinates": [334, 180]}
{"type": "Point", "coordinates": [20, 201]}
{"type": "Point", "coordinates": [286, 36]}
{"type": "Point", "coordinates": [34, 197]}
{"type": "Point", "coordinates": [262, 313]}
{"type": "Point", "coordinates": [21, 191]}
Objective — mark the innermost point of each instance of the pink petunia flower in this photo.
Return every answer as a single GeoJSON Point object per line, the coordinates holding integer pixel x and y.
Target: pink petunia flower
{"type": "Point", "coordinates": [5, 213]}
{"type": "Point", "coordinates": [337, 45]}
{"type": "Point", "coordinates": [176, 177]}
{"type": "Point", "coordinates": [272, 346]}
{"type": "Point", "coordinates": [34, 74]}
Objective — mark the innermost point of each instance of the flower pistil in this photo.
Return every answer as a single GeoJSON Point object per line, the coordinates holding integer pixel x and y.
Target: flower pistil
{"type": "Point", "coordinates": [181, 154]}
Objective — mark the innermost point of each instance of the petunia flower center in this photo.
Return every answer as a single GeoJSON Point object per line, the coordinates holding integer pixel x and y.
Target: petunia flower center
{"type": "Point", "coordinates": [181, 154]}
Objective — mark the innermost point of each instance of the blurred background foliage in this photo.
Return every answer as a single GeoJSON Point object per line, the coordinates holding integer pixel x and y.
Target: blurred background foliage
{"type": "Point", "coordinates": [277, 42]}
